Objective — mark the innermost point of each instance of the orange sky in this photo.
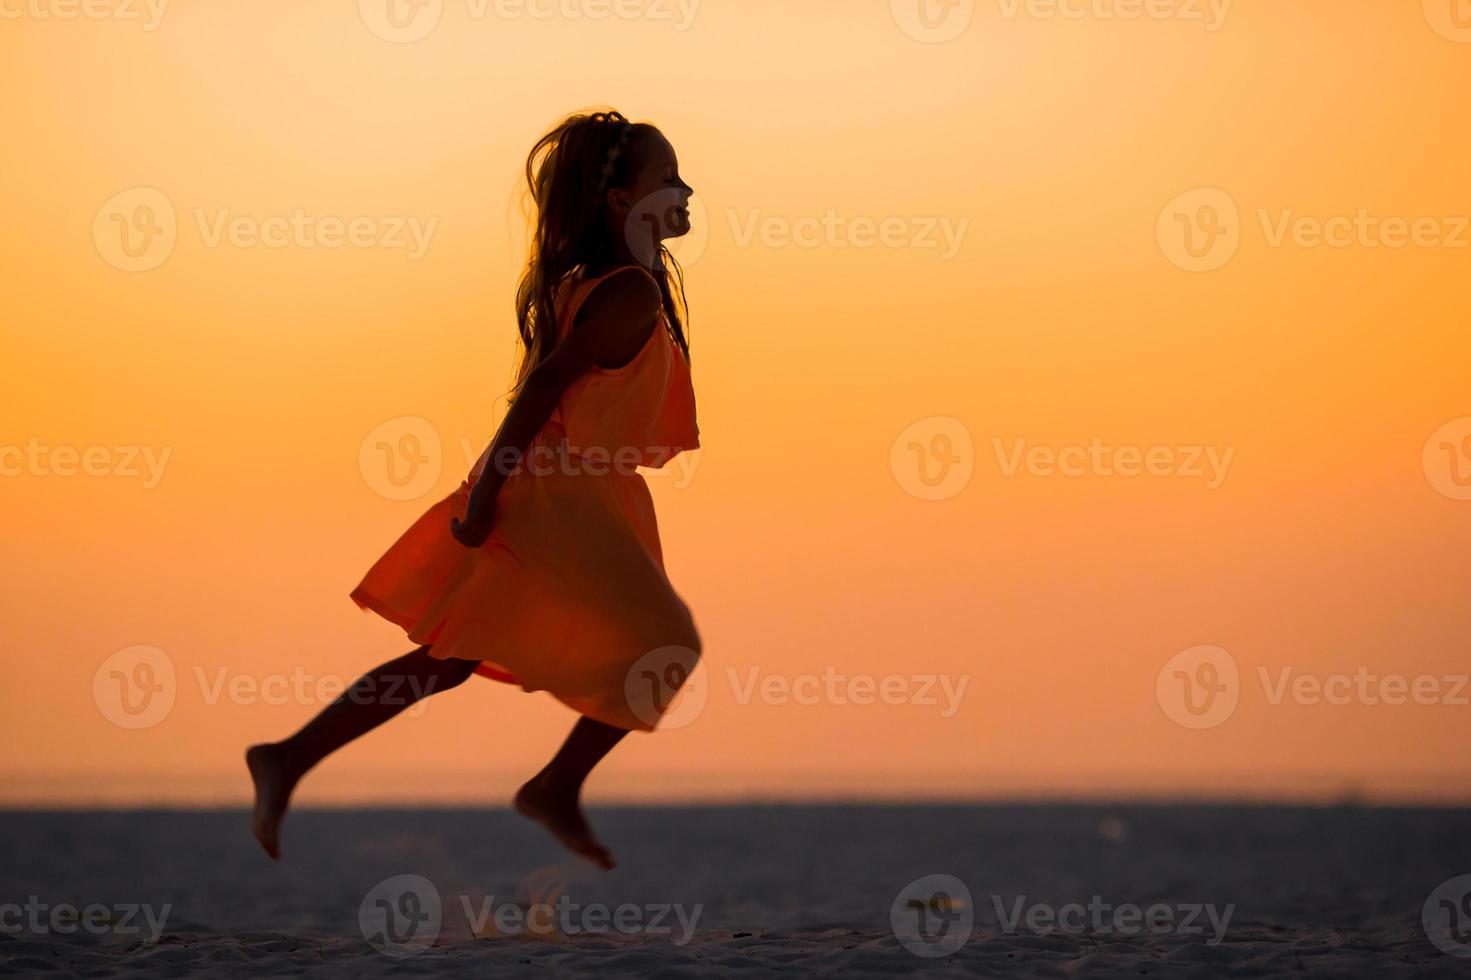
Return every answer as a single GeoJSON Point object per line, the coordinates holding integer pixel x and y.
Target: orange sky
{"type": "Point", "coordinates": [833, 146]}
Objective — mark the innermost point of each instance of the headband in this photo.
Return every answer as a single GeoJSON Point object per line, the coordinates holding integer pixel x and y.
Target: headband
{"type": "Point", "coordinates": [614, 152]}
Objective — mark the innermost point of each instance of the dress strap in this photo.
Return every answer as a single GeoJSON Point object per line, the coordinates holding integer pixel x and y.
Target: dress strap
{"type": "Point", "coordinates": [580, 289]}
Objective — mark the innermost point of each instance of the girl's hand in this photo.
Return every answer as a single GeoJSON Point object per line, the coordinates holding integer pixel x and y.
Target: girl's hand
{"type": "Point", "coordinates": [471, 533]}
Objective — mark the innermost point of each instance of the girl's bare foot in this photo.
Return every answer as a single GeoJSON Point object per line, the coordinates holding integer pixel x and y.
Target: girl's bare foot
{"type": "Point", "coordinates": [559, 812]}
{"type": "Point", "coordinates": [273, 786]}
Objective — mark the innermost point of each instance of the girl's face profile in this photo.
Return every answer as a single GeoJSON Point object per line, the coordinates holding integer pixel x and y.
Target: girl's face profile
{"type": "Point", "coordinates": [657, 199]}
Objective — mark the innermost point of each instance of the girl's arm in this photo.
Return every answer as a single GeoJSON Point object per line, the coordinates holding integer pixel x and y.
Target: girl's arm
{"type": "Point", "coordinates": [611, 328]}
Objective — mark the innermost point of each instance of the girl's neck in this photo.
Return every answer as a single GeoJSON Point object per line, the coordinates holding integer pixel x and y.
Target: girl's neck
{"type": "Point", "coordinates": [639, 251]}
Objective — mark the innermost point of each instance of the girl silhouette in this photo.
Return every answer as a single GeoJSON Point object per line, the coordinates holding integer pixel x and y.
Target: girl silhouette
{"type": "Point", "coordinates": [544, 568]}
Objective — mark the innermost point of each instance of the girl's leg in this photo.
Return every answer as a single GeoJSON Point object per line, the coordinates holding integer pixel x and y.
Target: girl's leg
{"type": "Point", "coordinates": [377, 696]}
{"type": "Point", "coordinates": [552, 796]}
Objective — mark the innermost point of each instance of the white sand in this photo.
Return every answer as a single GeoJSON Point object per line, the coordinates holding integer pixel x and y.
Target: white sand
{"type": "Point", "coordinates": [1330, 892]}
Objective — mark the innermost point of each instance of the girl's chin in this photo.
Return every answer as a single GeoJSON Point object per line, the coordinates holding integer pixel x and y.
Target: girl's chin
{"type": "Point", "coordinates": [676, 223]}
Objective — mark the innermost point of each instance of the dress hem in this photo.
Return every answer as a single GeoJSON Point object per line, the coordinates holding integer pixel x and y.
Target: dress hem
{"type": "Point", "coordinates": [371, 603]}
{"type": "Point", "coordinates": [368, 602]}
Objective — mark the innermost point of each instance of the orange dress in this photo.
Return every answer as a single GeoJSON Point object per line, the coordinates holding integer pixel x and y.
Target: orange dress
{"type": "Point", "coordinates": [569, 594]}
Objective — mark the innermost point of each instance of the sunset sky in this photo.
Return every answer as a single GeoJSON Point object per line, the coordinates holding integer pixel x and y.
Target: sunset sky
{"type": "Point", "coordinates": [946, 294]}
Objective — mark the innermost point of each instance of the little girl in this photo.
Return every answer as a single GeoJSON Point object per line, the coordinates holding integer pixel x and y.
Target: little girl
{"type": "Point", "coordinates": [544, 568]}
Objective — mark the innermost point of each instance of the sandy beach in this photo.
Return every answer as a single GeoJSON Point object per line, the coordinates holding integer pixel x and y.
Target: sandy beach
{"type": "Point", "coordinates": [1047, 891]}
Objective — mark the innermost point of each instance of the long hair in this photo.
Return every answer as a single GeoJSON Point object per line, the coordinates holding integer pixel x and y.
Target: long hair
{"type": "Point", "coordinates": [567, 189]}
